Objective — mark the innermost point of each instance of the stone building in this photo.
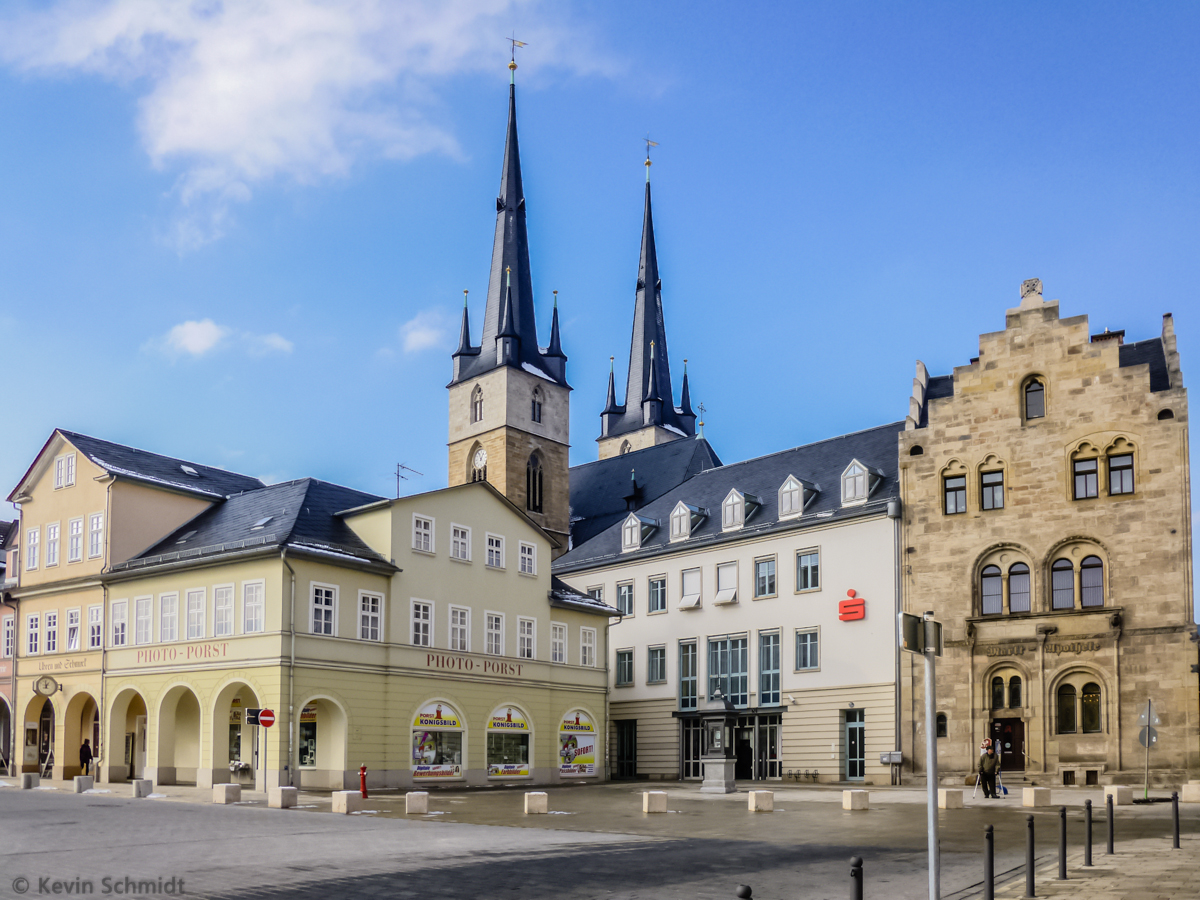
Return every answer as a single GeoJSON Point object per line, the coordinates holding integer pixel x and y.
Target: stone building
{"type": "Point", "coordinates": [1047, 524]}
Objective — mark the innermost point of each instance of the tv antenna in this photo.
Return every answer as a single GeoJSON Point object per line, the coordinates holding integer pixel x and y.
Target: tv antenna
{"type": "Point", "coordinates": [400, 469]}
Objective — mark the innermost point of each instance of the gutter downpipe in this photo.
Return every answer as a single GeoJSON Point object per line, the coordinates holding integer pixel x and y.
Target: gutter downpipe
{"type": "Point", "coordinates": [896, 513]}
{"type": "Point", "coordinates": [10, 603]}
{"type": "Point", "coordinates": [291, 672]}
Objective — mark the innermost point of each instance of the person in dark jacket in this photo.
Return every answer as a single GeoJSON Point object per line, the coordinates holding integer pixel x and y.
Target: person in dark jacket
{"type": "Point", "coordinates": [85, 757]}
{"type": "Point", "coordinates": [989, 765]}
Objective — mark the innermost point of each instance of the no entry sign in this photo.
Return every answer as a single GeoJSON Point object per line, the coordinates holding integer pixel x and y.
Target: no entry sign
{"type": "Point", "coordinates": [266, 718]}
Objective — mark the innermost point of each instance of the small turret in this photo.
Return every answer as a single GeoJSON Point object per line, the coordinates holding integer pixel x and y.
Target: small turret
{"type": "Point", "coordinates": [508, 343]}
{"type": "Point", "coordinates": [653, 404]}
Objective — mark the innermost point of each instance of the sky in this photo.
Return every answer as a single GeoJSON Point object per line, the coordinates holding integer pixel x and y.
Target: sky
{"type": "Point", "coordinates": [239, 233]}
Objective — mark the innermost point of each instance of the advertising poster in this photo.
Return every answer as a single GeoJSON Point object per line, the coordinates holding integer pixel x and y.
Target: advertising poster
{"type": "Point", "coordinates": [508, 743]}
{"type": "Point", "coordinates": [576, 746]}
{"type": "Point", "coordinates": [436, 743]}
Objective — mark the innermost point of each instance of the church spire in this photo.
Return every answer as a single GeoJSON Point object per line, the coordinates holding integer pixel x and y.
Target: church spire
{"type": "Point", "coordinates": [555, 348]}
{"type": "Point", "coordinates": [685, 400]}
{"type": "Point", "coordinates": [464, 335]}
{"type": "Point", "coordinates": [610, 406]}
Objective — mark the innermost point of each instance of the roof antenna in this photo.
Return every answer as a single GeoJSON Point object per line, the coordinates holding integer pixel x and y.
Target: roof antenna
{"type": "Point", "coordinates": [401, 466]}
{"type": "Point", "coordinates": [512, 62]}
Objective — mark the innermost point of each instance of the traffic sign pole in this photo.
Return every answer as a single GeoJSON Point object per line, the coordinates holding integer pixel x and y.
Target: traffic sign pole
{"type": "Point", "coordinates": [266, 718]}
{"type": "Point", "coordinates": [931, 762]}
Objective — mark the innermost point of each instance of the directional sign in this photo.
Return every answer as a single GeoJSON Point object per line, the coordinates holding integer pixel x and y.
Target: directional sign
{"type": "Point", "coordinates": [252, 716]}
{"type": "Point", "coordinates": [916, 633]}
{"type": "Point", "coordinates": [1149, 715]}
{"type": "Point", "coordinates": [266, 718]}
{"type": "Point", "coordinates": [1148, 737]}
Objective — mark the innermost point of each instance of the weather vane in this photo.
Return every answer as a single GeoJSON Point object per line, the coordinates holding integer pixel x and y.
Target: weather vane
{"type": "Point", "coordinates": [512, 62]}
{"type": "Point", "coordinates": [649, 144]}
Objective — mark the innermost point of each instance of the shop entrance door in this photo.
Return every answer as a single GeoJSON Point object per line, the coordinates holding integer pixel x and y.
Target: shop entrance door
{"type": "Point", "coordinates": [46, 736]}
{"type": "Point", "coordinates": [626, 748]}
{"type": "Point", "coordinates": [139, 746]}
{"type": "Point", "coordinates": [767, 764]}
{"type": "Point", "coordinates": [856, 755]}
{"type": "Point", "coordinates": [692, 749]}
{"type": "Point", "coordinates": [1008, 735]}
{"type": "Point", "coordinates": [743, 748]}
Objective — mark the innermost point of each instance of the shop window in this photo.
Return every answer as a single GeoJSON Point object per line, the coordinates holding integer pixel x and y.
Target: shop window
{"type": "Point", "coordinates": [1090, 708]}
{"type": "Point", "coordinates": [997, 693]}
{"type": "Point", "coordinates": [954, 490]}
{"type": "Point", "coordinates": [1014, 692]}
{"type": "Point", "coordinates": [508, 743]}
{"type": "Point", "coordinates": [1062, 584]}
{"type": "Point", "coordinates": [437, 739]}
{"type": "Point", "coordinates": [1120, 474]}
{"type": "Point", "coordinates": [308, 737]}
{"type": "Point", "coordinates": [1066, 709]}
{"type": "Point", "coordinates": [991, 485]}
{"type": "Point", "coordinates": [1087, 484]}
{"type": "Point", "coordinates": [1035, 400]}
{"type": "Point", "coordinates": [1018, 588]}
{"type": "Point", "coordinates": [1091, 581]}
{"type": "Point", "coordinates": [991, 588]}
{"type": "Point", "coordinates": [941, 725]}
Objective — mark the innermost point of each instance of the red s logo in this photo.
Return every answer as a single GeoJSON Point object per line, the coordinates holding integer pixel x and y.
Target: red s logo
{"type": "Point", "coordinates": [852, 609]}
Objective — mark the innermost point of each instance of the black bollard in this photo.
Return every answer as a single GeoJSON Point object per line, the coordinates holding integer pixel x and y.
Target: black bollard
{"type": "Point", "coordinates": [1087, 819]}
{"type": "Point", "coordinates": [1175, 820]}
{"type": "Point", "coordinates": [743, 892]}
{"type": "Point", "coordinates": [989, 864]}
{"type": "Point", "coordinates": [856, 878]}
{"type": "Point", "coordinates": [1062, 843]}
{"type": "Point", "coordinates": [1029, 891]}
{"type": "Point", "coordinates": [1108, 803]}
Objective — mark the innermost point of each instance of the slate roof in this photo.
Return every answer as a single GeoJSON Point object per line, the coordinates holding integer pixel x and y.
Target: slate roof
{"type": "Point", "coordinates": [821, 463]}
{"type": "Point", "coordinates": [939, 387]}
{"type": "Point", "coordinates": [1151, 353]}
{"type": "Point", "coordinates": [563, 596]}
{"type": "Point", "coordinates": [600, 490]}
{"type": "Point", "coordinates": [302, 518]}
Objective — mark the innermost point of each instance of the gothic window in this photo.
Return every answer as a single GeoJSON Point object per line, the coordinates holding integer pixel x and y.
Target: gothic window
{"type": "Point", "coordinates": [1018, 588]}
{"type": "Point", "coordinates": [1014, 692]}
{"type": "Point", "coordinates": [1086, 473]}
{"type": "Point", "coordinates": [941, 725]}
{"type": "Point", "coordinates": [533, 484]}
{"type": "Point", "coordinates": [1035, 399]}
{"type": "Point", "coordinates": [1091, 581]}
{"type": "Point", "coordinates": [954, 489]}
{"type": "Point", "coordinates": [536, 405]}
{"type": "Point", "coordinates": [992, 489]}
{"type": "Point", "coordinates": [1120, 474]}
{"type": "Point", "coordinates": [997, 693]}
{"type": "Point", "coordinates": [1066, 709]}
{"type": "Point", "coordinates": [1062, 584]}
{"type": "Point", "coordinates": [992, 591]}
{"type": "Point", "coordinates": [477, 405]}
{"type": "Point", "coordinates": [625, 447]}
{"type": "Point", "coordinates": [1090, 708]}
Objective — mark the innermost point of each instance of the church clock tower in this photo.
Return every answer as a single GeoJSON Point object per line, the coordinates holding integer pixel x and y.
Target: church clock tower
{"type": "Point", "coordinates": [509, 397]}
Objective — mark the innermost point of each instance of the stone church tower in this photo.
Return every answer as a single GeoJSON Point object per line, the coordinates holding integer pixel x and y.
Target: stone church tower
{"type": "Point", "coordinates": [509, 397]}
{"type": "Point", "coordinates": [649, 415]}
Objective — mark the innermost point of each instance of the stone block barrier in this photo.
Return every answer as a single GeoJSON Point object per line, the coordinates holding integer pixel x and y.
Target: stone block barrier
{"type": "Point", "coordinates": [30, 780]}
{"type": "Point", "coordinates": [416, 803]}
{"type": "Point", "coordinates": [1122, 794]}
{"type": "Point", "coordinates": [1035, 796]}
{"type": "Point", "coordinates": [83, 783]}
{"type": "Point", "coordinates": [346, 802]}
{"type": "Point", "coordinates": [856, 800]}
{"type": "Point", "coordinates": [950, 798]}
{"type": "Point", "coordinates": [282, 797]}
{"type": "Point", "coordinates": [762, 801]}
{"type": "Point", "coordinates": [141, 787]}
{"type": "Point", "coordinates": [536, 803]}
{"type": "Point", "coordinates": [227, 793]}
{"type": "Point", "coordinates": [654, 801]}
{"type": "Point", "coordinates": [1190, 792]}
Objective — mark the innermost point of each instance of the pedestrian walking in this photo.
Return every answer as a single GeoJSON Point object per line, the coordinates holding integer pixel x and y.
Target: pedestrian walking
{"type": "Point", "coordinates": [85, 757]}
{"type": "Point", "coordinates": [989, 765]}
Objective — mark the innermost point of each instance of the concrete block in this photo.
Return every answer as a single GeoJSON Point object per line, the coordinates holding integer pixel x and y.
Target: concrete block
{"type": "Point", "coordinates": [416, 803]}
{"type": "Point", "coordinates": [654, 801]}
{"type": "Point", "coordinates": [856, 799]}
{"type": "Point", "coordinates": [1122, 794]}
{"type": "Point", "coordinates": [282, 797]}
{"type": "Point", "coordinates": [83, 783]}
{"type": "Point", "coordinates": [347, 802]}
{"type": "Point", "coordinates": [1190, 792]}
{"type": "Point", "coordinates": [30, 780]}
{"type": "Point", "coordinates": [141, 787]}
{"type": "Point", "coordinates": [226, 793]}
{"type": "Point", "coordinates": [1035, 796]}
{"type": "Point", "coordinates": [950, 798]}
{"type": "Point", "coordinates": [536, 802]}
{"type": "Point", "coordinates": [762, 801]}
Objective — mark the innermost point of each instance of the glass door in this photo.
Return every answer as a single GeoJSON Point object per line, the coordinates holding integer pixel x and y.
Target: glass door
{"type": "Point", "coordinates": [626, 748]}
{"type": "Point", "coordinates": [856, 755]}
{"type": "Point", "coordinates": [767, 763]}
{"type": "Point", "coordinates": [693, 749]}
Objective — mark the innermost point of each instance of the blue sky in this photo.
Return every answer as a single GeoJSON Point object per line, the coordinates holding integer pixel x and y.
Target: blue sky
{"type": "Point", "coordinates": [239, 233]}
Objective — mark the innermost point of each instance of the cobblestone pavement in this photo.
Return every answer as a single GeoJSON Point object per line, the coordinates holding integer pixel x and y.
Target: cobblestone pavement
{"type": "Point", "coordinates": [596, 843]}
{"type": "Point", "coordinates": [1138, 870]}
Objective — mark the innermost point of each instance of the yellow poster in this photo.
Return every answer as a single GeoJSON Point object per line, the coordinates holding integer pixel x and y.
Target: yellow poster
{"type": "Point", "coordinates": [507, 718]}
{"type": "Point", "coordinates": [437, 715]}
{"type": "Point", "coordinates": [437, 742]}
{"type": "Point", "coordinates": [576, 746]}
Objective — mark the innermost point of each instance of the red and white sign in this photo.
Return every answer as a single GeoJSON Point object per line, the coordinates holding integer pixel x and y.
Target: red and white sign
{"type": "Point", "coordinates": [266, 718]}
{"type": "Point", "coordinates": [852, 609]}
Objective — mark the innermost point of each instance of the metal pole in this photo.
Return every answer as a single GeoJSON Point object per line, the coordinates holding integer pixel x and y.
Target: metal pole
{"type": "Point", "coordinates": [1087, 820]}
{"type": "Point", "coordinates": [1029, 891]}
{"type": "Point", "coordinates": [1062, 843]}
{"type": "Point", "coordinates": [931, 764]}
{"type": "Point", "coordinates": [1175, 820]}
{"type": "Point", "coordinates": [1108, 802]}
{"type": "Point", "coordinates": [1149, 722]}
{"type": "Point", "coordinates": [856, 878]}
{"type": "Point", "coordinates": [989, 863]}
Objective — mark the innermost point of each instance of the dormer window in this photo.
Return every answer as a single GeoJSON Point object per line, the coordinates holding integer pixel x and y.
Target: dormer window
{"type": "Point", "coordinates": [794, 496]}
{"type": "Point", "coordinates": [858, 481]}
{"type": "Point", "coordinates": [737, 508]}
{"type": "Point", "coordinates": [635, 530]}
{"type": "Point", "coordinates": [685, 518]}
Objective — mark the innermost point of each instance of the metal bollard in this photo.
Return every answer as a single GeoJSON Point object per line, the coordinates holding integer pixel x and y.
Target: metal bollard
{"type": "Point", "coordinates": [1087, 821]}
{"type": "Point", "coordinates": [1062, 843]}
{"type": "Point", "coordinates": [743, 892]}
{"type": "Point", "coordinates": [989, 863]}
{"type": "Point", "coordinates": [856, 878]}
{"type": "Point", "coordinates": [1029, 891]}
{"type": "Point", "coordinates": [1109, 804]}
{"type": "Point", "coordinates": [1175, 820]}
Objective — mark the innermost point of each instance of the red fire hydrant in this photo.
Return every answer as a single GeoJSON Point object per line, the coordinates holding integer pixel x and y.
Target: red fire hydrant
{"type": "Point", "coordinates": [362, 780]}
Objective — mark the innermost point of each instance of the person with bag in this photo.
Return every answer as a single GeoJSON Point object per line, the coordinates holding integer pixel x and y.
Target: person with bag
{"type": "Point", "coordinates": [989, 765]}
{"type": "Point", "coordinates": [85, 757]}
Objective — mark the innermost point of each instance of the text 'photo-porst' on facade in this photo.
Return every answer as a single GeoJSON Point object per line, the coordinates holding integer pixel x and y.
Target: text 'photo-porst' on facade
{"type": "Point", "coordinates": [535, 622]}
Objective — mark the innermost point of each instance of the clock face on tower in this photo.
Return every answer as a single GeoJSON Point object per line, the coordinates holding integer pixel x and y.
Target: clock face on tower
{"type": "Point", "coordinates": [480, 458]}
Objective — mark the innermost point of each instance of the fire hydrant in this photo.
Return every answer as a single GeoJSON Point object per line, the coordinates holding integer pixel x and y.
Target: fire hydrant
{"type": "Point", "coordinates": [362, 780]}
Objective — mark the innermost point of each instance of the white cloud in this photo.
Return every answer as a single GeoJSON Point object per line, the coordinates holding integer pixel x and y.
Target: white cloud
{"type": "Point", "coordinates": [262, 344]}
{"type": "Point", "coordinates": [196, 339]}
{"type": "Point", "coordinates": [424, 330]}
{"type": "Point", "coordinates": [241, 92]}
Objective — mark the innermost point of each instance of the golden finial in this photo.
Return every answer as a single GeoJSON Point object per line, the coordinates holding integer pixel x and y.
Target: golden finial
{"type": "Point", "coordinates": [512, 63]}
{"type": "Point", "coordinates": [649, 144]}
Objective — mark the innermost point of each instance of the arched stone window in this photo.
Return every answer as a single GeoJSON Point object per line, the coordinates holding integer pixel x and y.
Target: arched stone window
{"type": "Point", "coordinates": [1014, 692]}
{"type": "Point", "coordinates": [997, 692]}
{"type": "Point", "coordinates": [917, 450]}
{"type": "Point", "coordinates": [1120, 458]}
{"type": "Point", "coordinates": [625, 447]}
{"type": "Point", "coordinates": [1091, 581]}
{"type": "Point", "coordinates": [1035, 398]}
{"type": "Point", "coordinates": [477, 405]}
{"type": "Point", "coordinates": [1165, 414]}
{"type": "Point", "coordinates": [941, 725]}
{"type": "Point", "coordinates": [991, 591]}
{"type": "Point", "coordinates": [535, 412]}
{"type": "Point", "coordinates": [1062, 585]}
{"type": "Point", "coordinates": [533, 484]}
{"type": "Point", "coordinates": [1067, 723]}
{"type": "Point", "coordinates": [1018, 588]}
{"type": "Point", "coordinates": [1090, 708]}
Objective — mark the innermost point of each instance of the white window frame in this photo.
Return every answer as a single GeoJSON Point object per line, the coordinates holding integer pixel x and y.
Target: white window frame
{"type": "Point", "coordinates": [202, 608]}
{"type": "Point", "coordinates": [694, 579]}
{"type": "Point", "coordinates": [248, 624]}
{"type": "Point", "coordinates": [368, 619]}
{"type": "Point", "coordinates": [463, 630]}
{"type": "Point", "coordinates": [414, 605]}
{"type": "Point", "coordinates": [75, 540]}
{"type": "Point", "coordinates": [774, 560]}
{"type": "Point", "coordinates": [628, 653]}
{"type": "Point", "coordinates": [650, 679]}
{"type": "Point", "coordinates": [95, 535]}
{"type": "Point", "coordinates": [632, 598]}
{"type": "Point", "coordinates": [119, 626]}
{"type": "Point", "coordinates": [488, 559]}
{"type": "Point", "coordinates": [33, 634]}
{"type": "Point", "coordinates": [733, 511]}
{"type": "Point", "coordinates": [230, 608]}
{"type": "Point", "coordinates": [53, 543]}
{"type": "Point", "coordinates": [558, 643]}
{"type": "Point", "coordinates": [50, 641]}
{"type": "Point", "coordinates": [8, 642]}
{"type": "Point", "coordinates": [424, 527]}
{"type": "Point", "coordinates": [460, 547]}
{"type": "Point", "coordinates": [528, 558]}
{"type": "Point", "coordinates": [793, 490]}
{"type": "Point", "coordinates": [726, 593]}
{"type": "Point", "coordinates": [526, 642]}
{"type": "Point", "coordinates": [95, 623]}
{"type": "Point", "coordinates": [143, 603]}
{"type": "Point", "coordinates": [73, 646]}
{"type": "Point", "coordinates": [851, 478]}
{"type": "Point", "coordinates": [799, 631]}
{"type": "Point", "coordinates": [33, 538]}
{"type": "Point", "coordinates": [488, 632]}
{"type": "Point", "coordinates": [681, 522]}
{"type": "Point", "coordinates": [650, 582]}
{"type": "Point", "coordinates": [807, 551]}
{"type": "Point", "coordinates": [64, 471]}
{"type": "Point", "coordinates": [168, 630]}
{"type": "Point", "coordinates": [313, 587]}
{"type": "Point", "coordinates": [631, 533]}
{"type": "Point", "coordinates": [587, 647]}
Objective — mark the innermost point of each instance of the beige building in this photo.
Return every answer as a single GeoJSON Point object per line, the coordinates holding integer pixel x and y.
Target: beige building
{"type": "Point", "coordinates": [1046, 492]}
